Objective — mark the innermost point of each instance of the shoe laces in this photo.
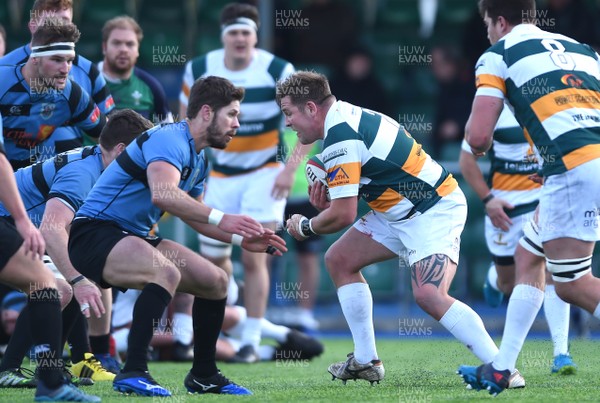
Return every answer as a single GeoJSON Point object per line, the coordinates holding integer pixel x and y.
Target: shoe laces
{"type": "Point", "coordinates": [96, 365]}
{"type": "Point", "coordinates": [222, 379]}
{"type": "Point", "coordinates": [25, 372]}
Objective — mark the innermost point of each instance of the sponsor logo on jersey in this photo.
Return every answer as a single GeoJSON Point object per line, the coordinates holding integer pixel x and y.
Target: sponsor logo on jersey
{"type": "Point", "coordinates": [338, 177]}
{"type": "Point", "coordinates": [15, 110]}
{"type": "Point", "coordinates": [95, 115]}
{"type": "Point", "coordinates": [571, 80]}
{"type": "Point", "coordinates": [335, 154]}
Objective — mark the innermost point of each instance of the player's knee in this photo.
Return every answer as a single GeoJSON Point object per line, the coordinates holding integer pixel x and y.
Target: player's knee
{"type": "Point", "coordinates": [569, 270]}
{"type": "Point", "coordinates": [65, 292]}
{"type": "Point", "coordinates": [335, 261]}
{"type": "Point", "coordinates": [169, 277]}
{"type": "Point", "coordinates": [428, 298]}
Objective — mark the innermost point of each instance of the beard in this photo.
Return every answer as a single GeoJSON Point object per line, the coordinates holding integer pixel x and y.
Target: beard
{"type": "Point", "coordinates": [117, 68]}
{"type": "Point", "coordinates": [215, 138]}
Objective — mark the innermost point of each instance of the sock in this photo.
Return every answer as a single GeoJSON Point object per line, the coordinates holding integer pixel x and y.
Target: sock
{"type": "Point", "coordinates": [20, 342]}
{"type": "Point", "coordinates": [208, 319]}
{"type": "Point", "coordinates": [597, 312]}
{"type": "Point", "coordinates": [184, 328]}
{"type": "Point", "coordinates": [100, 344]}
{"type": "Point", "coordinates": [251, 332]}
{"type": "Point", "coordinates": [464, 324]}
{"type": "Point", "coordinates": [357, 305]}
{"type": "Point", "coordinates": [46, 324]}
{"type": "Point", "coordinates": [233, 291]}
{"type": "Point", "coordinates": [273, 331]}
{"type": "Point", "coordinates": [121, 337]}
{"type": "Point", "coordinates": [557, 314]}
{"type": "Point", "coordinates": [75, 331]}
{"type": "Point", "coordinates": [237, 330]}
{"type": "Point", "coordinates": [266, 353]}
{"type": "Point", "coordinates": [523, 306]}
{"type": "Point", "coordinates": [147, 312]}
{"type": "Point", "coordinates": [492, 277]}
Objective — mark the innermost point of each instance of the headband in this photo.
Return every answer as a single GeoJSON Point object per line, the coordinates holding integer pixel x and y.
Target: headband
{"type": "Point", "coordinates": [57, 48]}
{"type": "Point", "coordinates": [238, 23]}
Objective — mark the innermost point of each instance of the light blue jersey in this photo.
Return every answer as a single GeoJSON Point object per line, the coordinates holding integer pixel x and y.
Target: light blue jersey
{"type": "Point", "coordinates": [122, 193]}
{"type": "Point", "coordinates": [68, 176]}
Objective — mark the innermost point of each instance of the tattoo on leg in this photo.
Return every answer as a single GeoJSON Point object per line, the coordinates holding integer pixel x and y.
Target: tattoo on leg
{"type": "Point", "coordinates": [429, 270]}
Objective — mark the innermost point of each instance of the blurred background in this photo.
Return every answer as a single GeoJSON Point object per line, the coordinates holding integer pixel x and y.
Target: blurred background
{"type": "Point", "coordinates": [410, 59]}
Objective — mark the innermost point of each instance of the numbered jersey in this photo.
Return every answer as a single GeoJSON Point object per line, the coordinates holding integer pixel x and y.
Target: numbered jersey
{"type": "Point", "coordinates": [552, 84]}
{"type": "Point", "coordinates": [369, 154]}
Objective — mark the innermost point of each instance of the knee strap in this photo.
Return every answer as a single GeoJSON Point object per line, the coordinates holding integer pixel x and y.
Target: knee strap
{"type": "Point", "coordinates": [567, 270]}
{"type": "Point", "coordinates": [530, 240]}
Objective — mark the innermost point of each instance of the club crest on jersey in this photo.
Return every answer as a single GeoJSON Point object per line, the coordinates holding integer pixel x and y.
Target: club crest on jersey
{"type": "Point", "coordinates": [47, 110]}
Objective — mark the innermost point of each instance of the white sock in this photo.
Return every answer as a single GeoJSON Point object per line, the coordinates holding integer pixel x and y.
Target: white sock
{"type": "Point", "coordinates": [597, 312]}
{"type": "Point", "coordinates": [237, 330]}
{"type": "Point", "coordinates": [357, 305]}
{"type": "Point", "coordinates": [121, 336]}
{"type": "Point", "coordinates": [523, 306]}
{"type": "Point", "coordinates": [464, 324]}
{"type": "Point", "coordinates": [272, 331]}
{"type": "Point", "coordinates": [493, 277]}
{"type": "Point", "coordinates": [557, 314]}
{"type": "Point", "coordinates": [233, 291]}
{"type": "Point", "coordinates": [183, 331]}
{"type": "Point", "coordinates": [266, 353]}
{"type": "Point", "coordinates": [251, 333]}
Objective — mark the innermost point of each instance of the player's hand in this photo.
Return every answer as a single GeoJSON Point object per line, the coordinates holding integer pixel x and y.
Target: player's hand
{"type": "Point", "coordinates": [241, 225]}
{"type": "Point", "coordinates": [268, 242]}
{"type": "Point", "coordinates": [283, 184]}
{"type": "Point", "coordinates": [89, 295]}
{"type": "Point", "coordinates": [292, 225]}
{"type": "Point", "coordinates": [536, 178]}
{"type": "Point", "coordinates": [495, 209]}
{"type": "Point", "coordinates": [318, 196]}
{"type": "Point", "coordinates": [33, 240]}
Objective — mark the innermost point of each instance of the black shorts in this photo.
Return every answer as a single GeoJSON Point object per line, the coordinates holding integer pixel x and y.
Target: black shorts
{"type": "Point", "coordinates": [10, 240]}
{"type": "Point", "coordinates": [90, 243]}
{"type": "Point", "coordinates": [313, 244]}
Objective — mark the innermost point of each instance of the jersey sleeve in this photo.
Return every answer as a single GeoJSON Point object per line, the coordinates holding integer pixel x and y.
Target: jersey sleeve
{"type": "Point", "coordinates": [100, 92]}
{"type": "Point", "coordinates": [85, 113]}
{"type": "Point", "coordinates": [164, 145]}
{"type": "Point", "coordinates": [72, 185]}
{"type": "Point", "coordinates": [188, 81]}
{"type": "Point", "coordinates": [490, 75]}
{"type": "Point", "coordinates": [344, 169]}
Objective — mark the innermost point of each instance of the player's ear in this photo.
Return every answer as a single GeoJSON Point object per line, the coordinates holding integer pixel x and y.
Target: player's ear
{"type": "Point", "coordinates": [206, 112]}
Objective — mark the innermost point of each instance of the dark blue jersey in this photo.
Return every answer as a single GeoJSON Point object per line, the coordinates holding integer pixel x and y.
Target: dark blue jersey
{"type": "Point", "coordinates": [122, 193]}
{"type": "Point", "coordinates": [31, 117]}
{"type": "Point", "coordinates": [1, 137]}
{"type": "Point", "coordinates": [68, 176]}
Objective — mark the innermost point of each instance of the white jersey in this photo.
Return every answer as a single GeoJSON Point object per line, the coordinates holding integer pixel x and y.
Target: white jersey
{"type": "Point", "coordinates": [258, 139]}
{"type": "Point", "coordinates": [512, 161]}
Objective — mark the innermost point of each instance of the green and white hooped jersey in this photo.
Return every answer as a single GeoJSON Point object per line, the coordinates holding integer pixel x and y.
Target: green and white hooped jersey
{"type": "Point", "coordinates": [257, 142]}
{"type": "Point", "coordinates": [552, 84]}
{"type": "Point", "coordinates": [512, 160]}
{"type": "Point", "coordinates": [369, 154]}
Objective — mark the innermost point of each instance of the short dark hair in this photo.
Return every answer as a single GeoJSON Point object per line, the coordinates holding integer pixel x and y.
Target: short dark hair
{"type": "Point", "coordinates": [303, 86]}
{"type": "Point", "coordinates": [51, 5]}
{"type": "Point", "coordinates": [213, 91]}
{"type": "Point", "coordinates": [236, 10]}
{"type": "Point", "coordinates": [515, 12]}
{"type": "Point", "coordinates": [122, 126]}
{"type": "Point", "coordinates": [55, 30]}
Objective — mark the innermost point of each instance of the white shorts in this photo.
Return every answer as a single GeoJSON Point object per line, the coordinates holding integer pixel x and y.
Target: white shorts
{"type": "Point", "coordinates": [503, 243]}
{"type": "Point", "coordinates": [570, 204]}
{"type": "Point", "coordinates": [248, 194]}
{"type": "Point", "coordinates": [50, 264]}
{"type": "Point", "coordinates": [437, 231]}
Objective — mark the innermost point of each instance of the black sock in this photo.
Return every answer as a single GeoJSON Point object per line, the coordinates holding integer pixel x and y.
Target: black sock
{"type": "Point", "coordinates": [100, 344]}
{"type": "Point", "coordinates": [46, 325]}
{"type": "Point", "coordinates": [20, 342]}
{"type": "Point", "coordinates": [208, 318]}
{"type": "Point", "coordinates": [147, 312]}
{"type": "Point", "coordinates": [76, 333]}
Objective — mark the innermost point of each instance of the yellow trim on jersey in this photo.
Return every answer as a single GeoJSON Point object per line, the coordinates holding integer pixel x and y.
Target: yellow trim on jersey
{"type": "Point", "coordinates": [415, 161]}
{"type": "Point", "coordinates": [186, 90]}
{"type": "Point", "coordinates": [513, 182]}
{"type": "Point", "coordinates": [447, 186]}
{"type": "Point", "coordinates": [548, 106]}
{"type": "Point", "coordinates": [489, 80]}
{"type": "Point", "coordinates": [386, 201]}
{"type": "Point", "coordinates": [581, 156]}
{"type": "Point", "coordinates": [253, 143]}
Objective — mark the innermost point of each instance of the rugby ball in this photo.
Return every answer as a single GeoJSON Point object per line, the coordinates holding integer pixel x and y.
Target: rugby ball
{"type": "Point", "coordinates": [315, 171]}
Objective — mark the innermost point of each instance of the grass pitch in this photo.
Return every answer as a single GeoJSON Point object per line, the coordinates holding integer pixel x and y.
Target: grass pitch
{"type": "Point", "coordinates": [417, 370]}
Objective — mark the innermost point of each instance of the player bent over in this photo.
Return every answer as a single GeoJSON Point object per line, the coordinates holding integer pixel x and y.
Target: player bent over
{"type": "Point", "coordinates": [164, 170]}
